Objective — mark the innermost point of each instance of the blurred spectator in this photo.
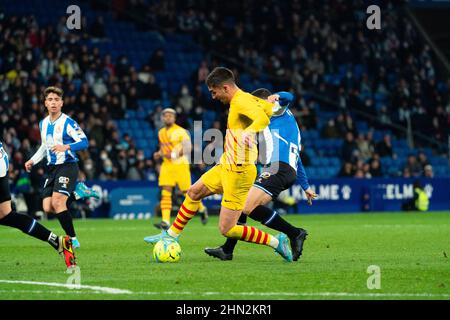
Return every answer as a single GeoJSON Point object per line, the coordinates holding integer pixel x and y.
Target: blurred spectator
{"type": "Point", "coordinates": [154, 118]}
{"type": "Point", "coordinates": [375, 168]}
{"type": "Point", "coordinates": [132, 99]}
{"type": "Point", "coordinates": [384, 148]}
{"type": "Point", "coordinates": [428, 171]}
{"type": "Point", "coordinates": [136, 171]}
{"type": "Point", "coordinates": [108, 172]}
{"type": "Point", "coordinates": [346, 170]}
{"type": "Point", "coordinates": [185, 100]}
{"type": "Point", "coordinates": [364, 148]}
{"type": "Point", "coordinates": [422, 159]}
{"type": "Point", "coordinates": [406, 173]}
{"type": "Point", "coordinates": [152, 90]}
{"type": "Point", "coordinates": [157, 60]}
{"type": "Point", "coordinates": [89, 169]}
{"type": "Point", "coordinates": [330, 130]}
{"type": "Point", "coordinates": [348, 147]}
{"type": "Point", "coordinates": [202, 72]}
{"type": "Point", "coordinates": [97, 29]}
{"type": "Point", "coordinates": [359, 174]}
{"type": "Point", "coordinates": [414, 166]}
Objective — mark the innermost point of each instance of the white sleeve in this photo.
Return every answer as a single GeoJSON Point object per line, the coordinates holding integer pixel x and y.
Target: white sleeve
{"type": "Point", "coordinates": [266, 147]}
{"type": "Point", "coordinates": [75, 131]}
{"type": "Point", "coordinates": [3, 163]}
{"type": "Point", "coordinates": [39, 155]}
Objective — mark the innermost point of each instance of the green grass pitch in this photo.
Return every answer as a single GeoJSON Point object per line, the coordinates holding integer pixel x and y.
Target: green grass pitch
{"type": "Point", "coordinates": [411, 251]}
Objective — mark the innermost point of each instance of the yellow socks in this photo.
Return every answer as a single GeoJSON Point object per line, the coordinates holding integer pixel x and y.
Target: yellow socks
{"type": "Point", "coordinates": [166, 205]}
{"type": "Point", "coordinates": [250, 234]}
{"type": "Point", "coordinates": [187, 210]}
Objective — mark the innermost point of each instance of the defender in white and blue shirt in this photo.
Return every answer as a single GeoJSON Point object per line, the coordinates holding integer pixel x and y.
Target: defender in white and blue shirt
{"type": "Point", "coordinates": [63, 131]}
{"type": "Point", "coordinates": [282, 146]}
{"type": "Point", "coordinates": [61, 138]}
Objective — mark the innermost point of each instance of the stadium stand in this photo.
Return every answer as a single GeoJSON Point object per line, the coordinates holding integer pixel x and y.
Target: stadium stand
{"type": "Point", "coordinates": [118, 72]}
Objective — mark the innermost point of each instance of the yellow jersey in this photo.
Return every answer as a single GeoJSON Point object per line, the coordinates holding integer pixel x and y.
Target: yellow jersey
{"type": "Point", "coordinates": [170, 140]}
{"type": "Point", "coordinates": [247, 114]}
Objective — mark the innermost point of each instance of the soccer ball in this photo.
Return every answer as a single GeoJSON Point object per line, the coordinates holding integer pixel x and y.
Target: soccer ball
{"type": "Point", "coordinates": [167, 251]}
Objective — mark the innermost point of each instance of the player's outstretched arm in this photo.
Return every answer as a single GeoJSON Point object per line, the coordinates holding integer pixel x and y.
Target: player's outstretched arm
{"type": "Point", "coordinates": [301, 173]}
{"type": "Point", "coordinates": [285, 98]}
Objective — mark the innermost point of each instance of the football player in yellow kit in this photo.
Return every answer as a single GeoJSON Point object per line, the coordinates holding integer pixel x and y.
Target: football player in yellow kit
{"type": "Point", "coordinates": [175, 144]}
{"type": "Point", "coordinates": [236, 172]}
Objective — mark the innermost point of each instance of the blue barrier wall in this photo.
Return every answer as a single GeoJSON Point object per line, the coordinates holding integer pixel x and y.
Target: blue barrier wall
{"type": "Point", "coordinates": [137, 199]}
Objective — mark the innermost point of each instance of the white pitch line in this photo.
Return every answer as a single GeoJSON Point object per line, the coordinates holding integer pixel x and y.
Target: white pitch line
{"type": "Point", "coordinates": [106, 290]}
{"type": "Point", "coordinates": [49, 291]}
{"type": "Point", "coordinates": [70, 286]}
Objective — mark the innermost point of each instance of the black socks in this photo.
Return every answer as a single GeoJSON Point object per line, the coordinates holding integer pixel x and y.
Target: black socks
{"type": "Point", "coordinates": [30, 226]}
{"type": "Point", "coordinates": [273, 220]}
{"type": "Point", "coordinates": [65, 219]}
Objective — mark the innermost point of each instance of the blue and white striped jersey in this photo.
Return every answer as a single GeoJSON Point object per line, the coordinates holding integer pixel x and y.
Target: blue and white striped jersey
{"type": "Point", "coordinates": [283, 141]}
{"type": "Point", "coordinates": [63, 131]}
{"type": "Point", "coordinates": [4, 162]}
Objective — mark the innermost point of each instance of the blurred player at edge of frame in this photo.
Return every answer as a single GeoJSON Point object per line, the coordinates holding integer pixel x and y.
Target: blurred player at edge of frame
{"type": "Point", "coordinates": [26, 224]}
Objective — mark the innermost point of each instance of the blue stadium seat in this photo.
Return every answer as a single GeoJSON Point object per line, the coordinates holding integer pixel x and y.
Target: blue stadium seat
{"type": "Point", "coordinates": [138, 134]}
{"type": "Point", "coordinates": [134, 124]}
{"type": "Point", "coordinates": [131, 114]}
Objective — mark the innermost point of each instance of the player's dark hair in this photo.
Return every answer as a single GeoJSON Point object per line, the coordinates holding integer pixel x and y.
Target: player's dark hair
{"type": "Point", "coordinates": [219, 76]}
{"type": "Point", "coordinates": [262, 93]}
{"type": "Point", "coordinates": [58, 91]}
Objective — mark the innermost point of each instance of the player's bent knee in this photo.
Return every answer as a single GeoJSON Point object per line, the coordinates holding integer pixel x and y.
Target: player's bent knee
{"type": "Point", "coordinates": [225, 230]}
{"type": "Point", "coordinates": [47, 207]}
{"type": "Point", "coordinates": [195, 192]}
{"type": "Point", "coordinates": [59, 204]}
{"type": "Point", "coordinates": [3, 213]}
{"type": "Point", "coordinates": [248, 209]}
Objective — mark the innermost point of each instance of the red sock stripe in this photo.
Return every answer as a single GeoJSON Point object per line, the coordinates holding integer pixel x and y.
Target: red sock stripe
{"type": "Point", "coordinates": [265, 238]}
{"type": "Point", "coordinates": [244, 233]}
{"type": "Point", "coordinates": [177, 226]}
{"type": "Point", "coordinates": [164, 208]}
{"type": "Point", "coordinates": [180, 222]}
{"type": "Point", "coordinates": [251, 234]}
{"type": "Point", "coordinates": [186, 210]}
{"type": "Point", "coordinates": [259, 236]}
{"type": "Point", "coordinates": [183, 216]}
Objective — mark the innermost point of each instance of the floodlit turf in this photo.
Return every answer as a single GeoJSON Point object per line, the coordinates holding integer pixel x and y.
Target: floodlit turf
{"type": "Point", "coordinates": [411, 250]}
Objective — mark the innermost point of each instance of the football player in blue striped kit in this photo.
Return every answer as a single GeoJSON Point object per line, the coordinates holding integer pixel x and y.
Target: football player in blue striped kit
{"type": "Point", "coordinates": [23, 222]}
{"type": "Point", "coordinates": [283, 166]}
{"type": "Point", "coordinates": [61, 138]}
